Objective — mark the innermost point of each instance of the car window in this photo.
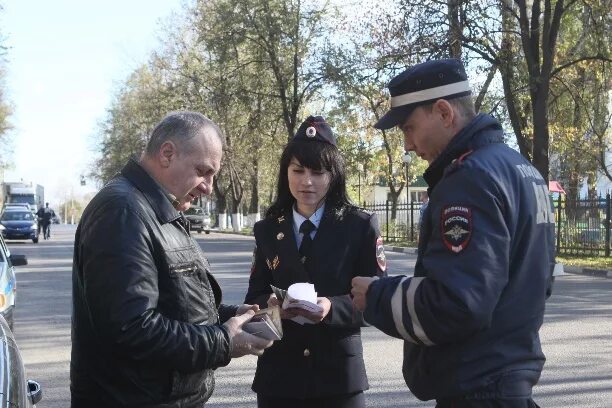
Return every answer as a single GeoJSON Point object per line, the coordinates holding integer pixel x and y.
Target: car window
{"type": "Point", "coordinates": [194, 211]}
{"type": "Point", "coordinates": [17, 216]}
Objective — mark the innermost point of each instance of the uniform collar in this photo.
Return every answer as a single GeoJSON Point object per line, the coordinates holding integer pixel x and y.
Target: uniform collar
{"type": "Point", "coordinates": [315, 218]}
{"type": "Point", "coordinates": [482, 130]}
{"type": "Point", "coordinates": [155, 194]}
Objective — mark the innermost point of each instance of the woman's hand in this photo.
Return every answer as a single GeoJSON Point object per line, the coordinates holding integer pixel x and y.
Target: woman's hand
{"type": "Point", "coordinates": [284, 314]}
{"type": "Point", "coordinates": [325, 304]}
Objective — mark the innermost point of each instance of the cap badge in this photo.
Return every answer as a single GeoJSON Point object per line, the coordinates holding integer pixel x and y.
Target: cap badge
{"type": "Point", "coordinates": [311, 131]}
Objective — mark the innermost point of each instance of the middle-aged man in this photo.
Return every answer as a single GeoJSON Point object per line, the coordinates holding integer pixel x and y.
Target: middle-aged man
{"type": "Point", "coordinates": [470, 316]}
{"type": "Point", "coordinates": [148, 328]}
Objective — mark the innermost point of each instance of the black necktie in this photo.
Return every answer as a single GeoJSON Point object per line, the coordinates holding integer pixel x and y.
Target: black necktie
{"type": "Point", "coordinates": [305, 247]}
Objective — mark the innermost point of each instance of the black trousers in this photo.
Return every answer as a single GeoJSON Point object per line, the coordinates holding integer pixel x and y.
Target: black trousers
{"type": "Point", "coordinates": [356, 400]}
{"type": "Point", "coordinates": [486, 403]}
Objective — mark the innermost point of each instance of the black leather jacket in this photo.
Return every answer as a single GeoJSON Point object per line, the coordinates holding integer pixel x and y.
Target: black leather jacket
{"type": "Point", "coordinates": [146, 311]}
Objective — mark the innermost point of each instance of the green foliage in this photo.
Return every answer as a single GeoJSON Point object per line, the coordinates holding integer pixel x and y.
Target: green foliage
{"type": "Point", "coordinates": [5, 112]}
{"type": "Point", "coordinates": [257, 67]}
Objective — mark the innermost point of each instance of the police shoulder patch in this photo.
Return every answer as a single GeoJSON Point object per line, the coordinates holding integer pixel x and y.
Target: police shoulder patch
{"type": "Point", "coordinates": [456, 227]}
{"type": "Point", "coordinates": [254, 261]}
{"type": "Point", "coordinates": [381, 258]}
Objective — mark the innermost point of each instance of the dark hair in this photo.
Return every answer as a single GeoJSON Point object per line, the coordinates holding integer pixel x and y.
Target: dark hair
{"type": "Point", "coordinates": [181, 128]}
{"type": "Point", "coordinates": [316, 156]}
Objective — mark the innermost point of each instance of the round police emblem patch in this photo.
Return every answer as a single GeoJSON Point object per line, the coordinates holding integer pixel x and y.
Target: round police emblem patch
{"type": "Point", "coordinates": [311, 131]}
{"type": "Point", "coordinates": [254, 261]}
{"type": "Point", "coordinates": [381, 258]}
{"type": "Point", "coordinates": [456, 227]}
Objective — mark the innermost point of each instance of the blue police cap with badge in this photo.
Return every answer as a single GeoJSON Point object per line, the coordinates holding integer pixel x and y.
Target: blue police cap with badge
{"type": "Point", "coordinates": [315, 128]}
{"type": "Point", "coordinates": [423, 84]}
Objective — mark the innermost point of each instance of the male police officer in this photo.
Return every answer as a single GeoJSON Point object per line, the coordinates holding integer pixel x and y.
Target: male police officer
{"type": "Point", "coordinates": [470, 315]}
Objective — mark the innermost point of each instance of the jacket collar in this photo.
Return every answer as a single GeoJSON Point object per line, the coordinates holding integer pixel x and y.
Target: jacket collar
{"type": "Point", "coordinates": [153, 192]}
{"type": "Point", "coordinates": [482, 130]}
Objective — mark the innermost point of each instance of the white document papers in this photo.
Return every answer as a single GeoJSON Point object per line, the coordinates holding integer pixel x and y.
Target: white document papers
{"type": "Point", "coordinates": [302, 296]}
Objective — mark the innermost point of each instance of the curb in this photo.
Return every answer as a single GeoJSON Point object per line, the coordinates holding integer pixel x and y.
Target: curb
{"type": "Point", "coordinates": [579, 270]}
{"type": "Point", "coordinates": [567, 269]}
{"type": "Point", "coordinates": [402, 250]}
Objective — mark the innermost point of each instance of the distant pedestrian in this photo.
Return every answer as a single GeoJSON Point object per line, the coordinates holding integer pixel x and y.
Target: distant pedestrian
{"type": "Point", "coordinates": [45, 216]}
{"type": "Point", "coordinates": [471, 313]}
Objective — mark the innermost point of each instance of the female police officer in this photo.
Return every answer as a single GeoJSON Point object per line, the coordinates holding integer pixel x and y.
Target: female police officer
{"type": "Point", "coordinates": [312, 233]}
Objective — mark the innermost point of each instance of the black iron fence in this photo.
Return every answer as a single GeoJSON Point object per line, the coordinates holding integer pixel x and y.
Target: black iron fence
{"type": "Point", "coordinates": [583, 226]}
{"type": "Point", "coordinates": [399, 223]}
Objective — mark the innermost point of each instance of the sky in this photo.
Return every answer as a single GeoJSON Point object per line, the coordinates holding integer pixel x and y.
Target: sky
{"type": "Point", "coordinates": [65, 60]}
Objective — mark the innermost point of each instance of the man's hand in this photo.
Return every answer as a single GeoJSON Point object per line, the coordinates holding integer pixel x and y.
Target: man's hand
{"type": "Point", "coordinates": [242, 309]}
{"type": "Point", "coordinates": [242, 342]}
{"type": "Point", "coordinates": [361, 284]}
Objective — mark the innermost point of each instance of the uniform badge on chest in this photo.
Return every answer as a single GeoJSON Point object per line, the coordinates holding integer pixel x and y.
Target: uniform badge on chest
{"type": "Point", "coordinates": [272, 265]}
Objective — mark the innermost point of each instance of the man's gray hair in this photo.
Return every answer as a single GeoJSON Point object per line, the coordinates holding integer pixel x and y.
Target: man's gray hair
{"type": "Point", "coordinates": [180, 128]}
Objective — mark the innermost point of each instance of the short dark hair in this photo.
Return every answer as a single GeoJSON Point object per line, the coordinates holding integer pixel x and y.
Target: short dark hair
{"type": "Point", "coordinates": [464, 105]}
{"type": "Point", "coordinates": [180, 128]}
{"type": "Point", "coordinates": [316, 156]}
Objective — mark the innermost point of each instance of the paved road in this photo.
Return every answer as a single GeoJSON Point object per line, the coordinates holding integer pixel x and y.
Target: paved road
{"type": "Point", "coordinates": [577, 334]}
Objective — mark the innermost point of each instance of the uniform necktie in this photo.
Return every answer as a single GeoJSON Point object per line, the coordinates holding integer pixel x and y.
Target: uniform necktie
{"type": "Point", "coordinates": [306, 246]}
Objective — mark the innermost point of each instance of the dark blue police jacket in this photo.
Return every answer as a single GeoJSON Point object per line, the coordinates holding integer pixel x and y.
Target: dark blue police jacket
{"type": "Point", "coordinates": [470, 315]}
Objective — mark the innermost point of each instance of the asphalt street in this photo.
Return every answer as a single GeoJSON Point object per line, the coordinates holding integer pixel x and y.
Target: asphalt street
{"type": "Point", "coordinates": [576, 336]}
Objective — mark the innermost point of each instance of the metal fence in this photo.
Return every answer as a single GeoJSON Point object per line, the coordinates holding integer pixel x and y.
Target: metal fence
{"type": "Point", "coordinates": [582, 226]}
{"type": "Point", "coordinates": [400, 224]}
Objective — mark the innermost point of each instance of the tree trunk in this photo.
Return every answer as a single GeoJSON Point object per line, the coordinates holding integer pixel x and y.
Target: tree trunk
{"type": "Point", "coordinates": [455, 30]}
{"type": "Point", "coordinates": [541, 135]}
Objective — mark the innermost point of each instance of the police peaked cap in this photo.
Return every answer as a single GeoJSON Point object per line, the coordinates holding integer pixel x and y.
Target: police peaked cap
{"type": "Point", "coordinates": [317, 129]}
{"type": "Point", "coordinates": [423, 84]}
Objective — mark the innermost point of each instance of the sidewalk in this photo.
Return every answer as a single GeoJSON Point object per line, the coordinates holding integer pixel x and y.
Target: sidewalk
{"type": "Point", "coordinates": [576, 270]}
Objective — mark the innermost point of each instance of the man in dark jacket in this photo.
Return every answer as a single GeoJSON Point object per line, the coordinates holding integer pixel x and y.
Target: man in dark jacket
{"type": "Point", "coordinates": [148, 326]}
{"type": "Point", "coordinates": [470, 316]}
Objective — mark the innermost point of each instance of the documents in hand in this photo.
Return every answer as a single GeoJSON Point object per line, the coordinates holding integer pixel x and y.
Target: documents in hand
{"type": "Point", "coordinates": [265, 324]}
{"type": "Point", "coordinates": [299, 296]}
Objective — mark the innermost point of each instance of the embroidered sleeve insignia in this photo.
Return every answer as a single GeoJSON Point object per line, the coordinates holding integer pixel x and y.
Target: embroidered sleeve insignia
{"type": "Point", "coordinates": [254, 259]}
{"type": "Point", "coordinates": [456, 227]}
{"type": "Point", "coordinates": [381, 258]}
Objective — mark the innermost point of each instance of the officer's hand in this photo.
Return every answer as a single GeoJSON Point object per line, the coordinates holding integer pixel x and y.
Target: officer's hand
{"type": "Point", "coordinates": [324, 302]}
{"type": "Point", "coordinates": [361, 284]}
{"type": "Point", "coordinates": [242, 342]}
{"type": "Point", "coordinates": [284, 314]}
{"type": "Point", "coordinates": [242, 309]}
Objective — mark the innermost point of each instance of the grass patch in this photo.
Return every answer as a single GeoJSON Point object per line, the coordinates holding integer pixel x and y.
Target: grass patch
{"type": "Point", "coordinates": [593, 262]}
{"type": "Point", "coordinates": [586, 261]}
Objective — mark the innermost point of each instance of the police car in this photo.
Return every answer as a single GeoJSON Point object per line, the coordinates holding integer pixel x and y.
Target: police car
{"type": "Point", "coordinates": [15, 390]}
{"type": "Point", "coordinates": [8, 283]}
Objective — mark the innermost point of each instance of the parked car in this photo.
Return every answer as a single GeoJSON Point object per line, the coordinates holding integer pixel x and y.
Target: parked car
{"type": "Point", "coordinates": [8, 282]}
{"type": "Point", "coordinates": [15, 390]}
{"type": "Point", "coordinates": [16, 223]}
{"type": "Point", "coordinates": [17, 205]}
{"type": "Point", "coordinates": [199, 220]}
